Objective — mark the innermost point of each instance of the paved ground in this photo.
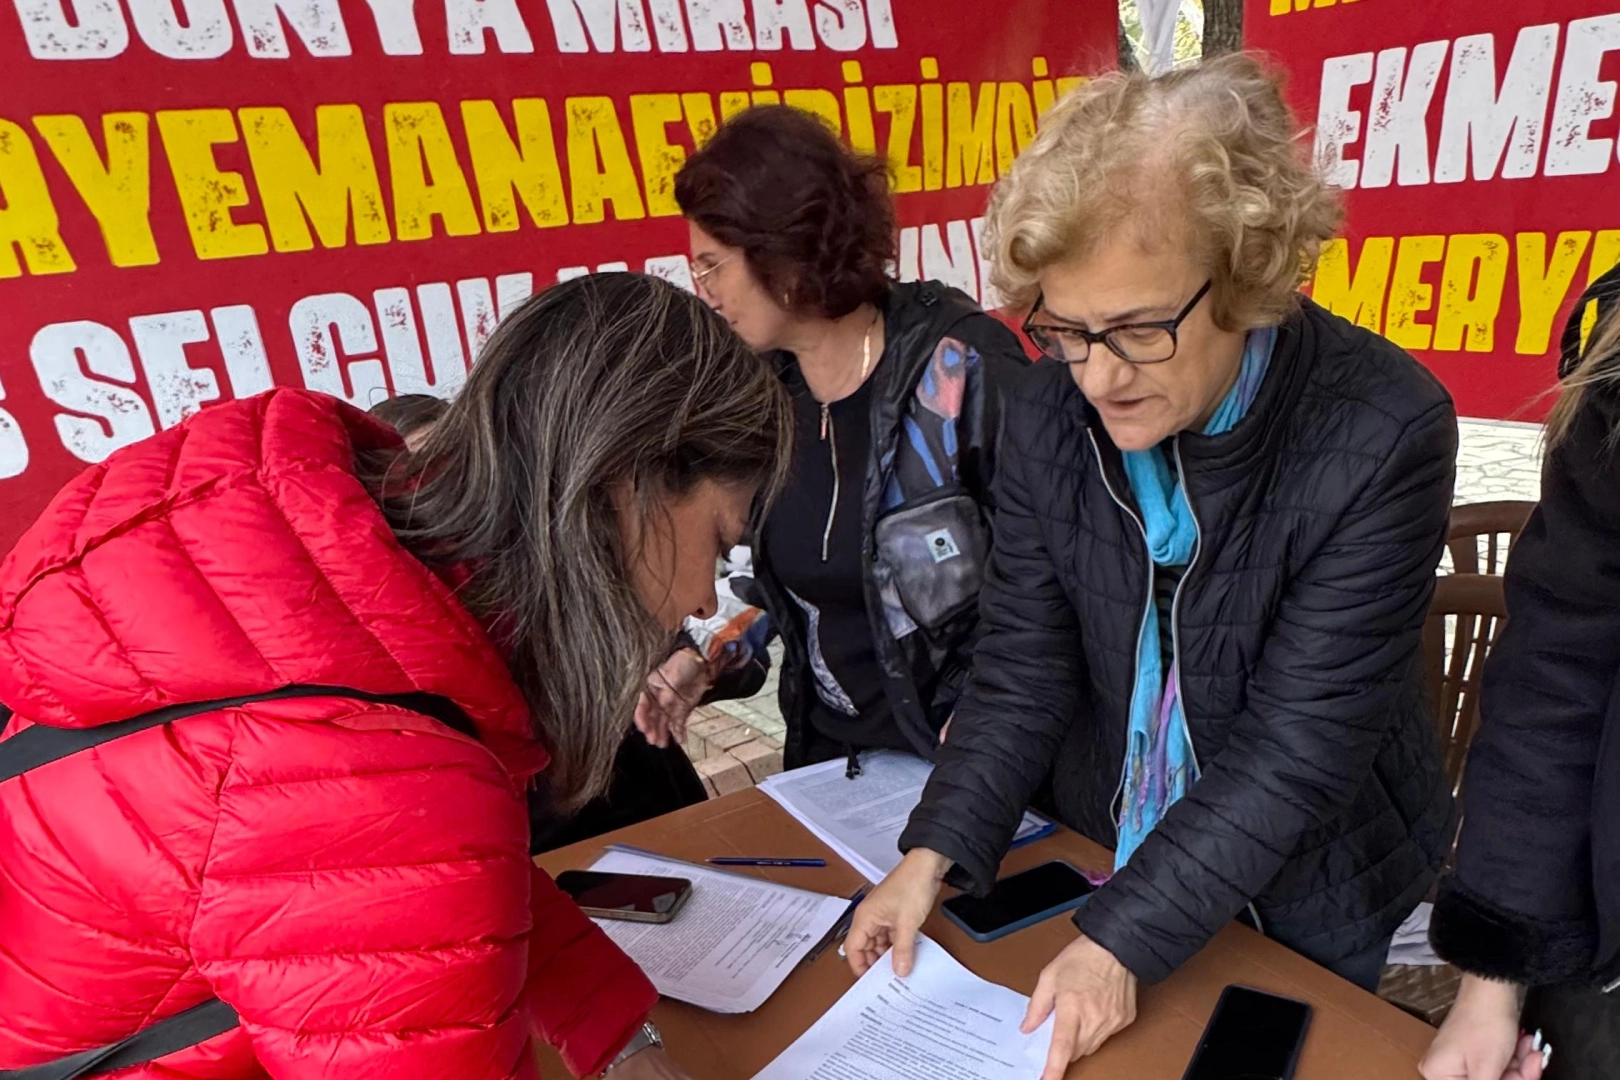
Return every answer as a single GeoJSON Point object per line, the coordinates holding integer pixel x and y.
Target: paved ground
{"type": "Point", "coordinates": [736, 744]}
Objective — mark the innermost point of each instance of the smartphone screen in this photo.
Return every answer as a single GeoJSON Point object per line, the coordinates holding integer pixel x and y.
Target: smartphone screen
{"type": "Point", "coordinates": [1252, 1036]}
{"type": "Point", "coordinates": [1050, 887]}
{"type": "Point", "coordinates": [625, 896]}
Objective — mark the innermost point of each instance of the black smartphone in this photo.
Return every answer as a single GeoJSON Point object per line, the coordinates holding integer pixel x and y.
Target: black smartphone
{"type": "Point", "coordinates": [1019, 901]}
{"type": "Point", "coordinates": [631, 897]}
{"type": "Point", "coordinates": [1251, 1036]}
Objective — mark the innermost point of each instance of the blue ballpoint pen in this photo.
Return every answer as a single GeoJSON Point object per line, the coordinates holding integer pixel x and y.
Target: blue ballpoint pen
{"type": "Point", "coordinates": [729, 861]}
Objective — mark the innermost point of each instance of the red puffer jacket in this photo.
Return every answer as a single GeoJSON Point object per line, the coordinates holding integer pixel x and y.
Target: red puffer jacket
{"type": "Point", "coordinates": [352, 878]}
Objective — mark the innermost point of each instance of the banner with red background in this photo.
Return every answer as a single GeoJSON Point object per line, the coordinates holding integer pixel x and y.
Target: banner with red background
{"type": "Point", "coordinates": [200, 199]}
{"type": "Point", "coordinates": [1477, 144]}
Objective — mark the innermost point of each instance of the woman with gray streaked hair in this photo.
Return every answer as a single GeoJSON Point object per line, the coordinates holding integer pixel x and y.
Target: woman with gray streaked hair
{"type": "Point", "coordinates": [348, 662]}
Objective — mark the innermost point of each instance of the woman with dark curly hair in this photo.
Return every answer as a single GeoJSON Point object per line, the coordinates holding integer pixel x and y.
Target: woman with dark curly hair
{"type": "Point", "coordinates": [869, 564]}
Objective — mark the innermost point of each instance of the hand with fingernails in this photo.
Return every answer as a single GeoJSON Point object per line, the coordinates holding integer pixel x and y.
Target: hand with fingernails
{"type": "Point", "coordinates": [1091, 993]}
{"type": "Point", "coordinates": [1481, 1040]}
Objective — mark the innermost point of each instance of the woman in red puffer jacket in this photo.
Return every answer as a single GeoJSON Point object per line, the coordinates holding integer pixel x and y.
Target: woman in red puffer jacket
{"type": "Point", "coordinates": [347, 874]}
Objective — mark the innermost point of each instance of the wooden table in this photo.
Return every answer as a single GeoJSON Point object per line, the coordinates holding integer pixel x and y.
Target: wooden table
{"type": "Point", "coordinates": [1354, 1035]}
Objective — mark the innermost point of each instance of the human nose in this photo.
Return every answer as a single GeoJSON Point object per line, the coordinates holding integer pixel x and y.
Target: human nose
{"type": "Point", "coordinates": [1105, 374]}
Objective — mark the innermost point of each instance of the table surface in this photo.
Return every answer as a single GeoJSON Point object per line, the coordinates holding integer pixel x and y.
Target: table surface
{"type": "Point", "coordinates": [1353, 1033]}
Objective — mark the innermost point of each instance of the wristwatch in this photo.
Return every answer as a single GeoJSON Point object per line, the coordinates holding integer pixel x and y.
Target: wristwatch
{"type": "Point", "coordinates": [646, 1037]}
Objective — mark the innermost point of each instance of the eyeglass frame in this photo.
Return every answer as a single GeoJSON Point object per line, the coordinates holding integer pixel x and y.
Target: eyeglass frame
{"type": "Point", "coordinates": [1093, 338]}
{"type": "Point", "coordinates": [700, 276]}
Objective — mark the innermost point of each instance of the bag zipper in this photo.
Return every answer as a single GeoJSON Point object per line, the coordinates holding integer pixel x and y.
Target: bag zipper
{"type": "Point", "coordinates": [829, 435]}
{"type": "Point", "coordinates": [1096, 452]}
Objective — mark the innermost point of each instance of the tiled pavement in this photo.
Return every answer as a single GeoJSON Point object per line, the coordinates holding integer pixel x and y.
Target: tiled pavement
{"type": "Point", "coordinates": [736, 744]}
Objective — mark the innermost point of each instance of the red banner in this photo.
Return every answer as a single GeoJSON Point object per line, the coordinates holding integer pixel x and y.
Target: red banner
{"type": "Point", "coordinates": [204, 198]}
{"type": "Point", "coordinates": [1476, 141]}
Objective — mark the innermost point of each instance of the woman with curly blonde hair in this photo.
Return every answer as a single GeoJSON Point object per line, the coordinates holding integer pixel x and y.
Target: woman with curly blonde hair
{"type": "Point", "coordinates": [1219, 512]}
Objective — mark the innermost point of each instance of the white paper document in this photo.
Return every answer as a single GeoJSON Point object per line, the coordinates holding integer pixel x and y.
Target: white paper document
{"type": "Point", "coordinates": [861, 819]}
{"type": "Point", "coordinates": [733, 943]}
{"type": "Point", "coordinates": [941, 1023]}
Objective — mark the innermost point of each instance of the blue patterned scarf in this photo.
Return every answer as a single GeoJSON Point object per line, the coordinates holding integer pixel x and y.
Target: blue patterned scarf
{"type": "Point", "coordinates": [1159, 763]}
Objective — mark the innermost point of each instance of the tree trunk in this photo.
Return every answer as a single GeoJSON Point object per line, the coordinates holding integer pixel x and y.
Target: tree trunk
{"type": "Point", "coordinates": [1223, 26]}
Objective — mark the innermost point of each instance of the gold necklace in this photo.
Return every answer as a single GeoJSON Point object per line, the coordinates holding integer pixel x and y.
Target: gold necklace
{"type": "Point", "coordinates": [829, 436]}
{"type": "Point", "coordinates": [866, 369]}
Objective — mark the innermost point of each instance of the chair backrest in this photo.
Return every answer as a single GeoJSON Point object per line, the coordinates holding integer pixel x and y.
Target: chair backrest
{"type": "Point", "coordinates": [1467, 614]}
{"type": "Point", "coordinates": [1492, 526]}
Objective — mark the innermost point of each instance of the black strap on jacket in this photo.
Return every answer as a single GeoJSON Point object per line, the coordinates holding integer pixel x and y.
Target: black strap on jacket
{"type": "Point", "coordinates": [40, 745]}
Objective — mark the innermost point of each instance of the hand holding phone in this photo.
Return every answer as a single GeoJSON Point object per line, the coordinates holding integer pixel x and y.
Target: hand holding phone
{"type": "Point", "coordinates": [628, 897]}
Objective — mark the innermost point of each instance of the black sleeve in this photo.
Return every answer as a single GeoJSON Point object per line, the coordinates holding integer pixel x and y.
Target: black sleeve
{"type": "Point", "coordinates": [1519, 905]}
{"type": "Point", "coordinates": [1320, 703]}
{"type": "Point", "coordinates": [1026, 686]}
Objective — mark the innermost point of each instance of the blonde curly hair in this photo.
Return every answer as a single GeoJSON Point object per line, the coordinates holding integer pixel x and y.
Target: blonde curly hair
{"type": "Point", "coordinates": [1208, 155]}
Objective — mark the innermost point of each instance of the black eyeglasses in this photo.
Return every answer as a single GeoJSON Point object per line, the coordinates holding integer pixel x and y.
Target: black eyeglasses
{"type": "Point", "coordinates": [1136, 343]}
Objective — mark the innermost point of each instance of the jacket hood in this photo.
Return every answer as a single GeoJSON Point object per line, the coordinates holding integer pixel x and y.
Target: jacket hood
{"type": "Point", "coordinates": [234, 554]}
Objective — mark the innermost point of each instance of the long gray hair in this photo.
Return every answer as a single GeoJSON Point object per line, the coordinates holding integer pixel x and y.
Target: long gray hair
{"type": "Point", "coordinates": [612, 382]}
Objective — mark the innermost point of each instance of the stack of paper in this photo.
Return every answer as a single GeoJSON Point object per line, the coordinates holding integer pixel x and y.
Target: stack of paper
{"type": "Point", "coordinates": [941, 1021]}
{"type": "Point", "coordinates": [861, 819]}
{"type": "Point", "coordinates": [733, 943]}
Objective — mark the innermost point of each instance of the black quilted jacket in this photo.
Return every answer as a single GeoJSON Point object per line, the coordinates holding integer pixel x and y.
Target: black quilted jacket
{"type": "Point", "coordinates": [1321, 520]}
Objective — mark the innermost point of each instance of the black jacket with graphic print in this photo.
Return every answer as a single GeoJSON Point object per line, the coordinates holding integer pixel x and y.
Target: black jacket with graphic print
{"type": "Point", "coordinates": [921, 481]}
{"type": "Point", "coordinates": [1322, 514]}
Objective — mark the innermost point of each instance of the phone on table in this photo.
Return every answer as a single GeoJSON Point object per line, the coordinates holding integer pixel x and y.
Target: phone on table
{"type": "Point", "coordinates": [1251, 1036]}
{"type": "Point", "coordinates": [630, 897]}
{"type": "Point", "coordinates": [1021, 900]}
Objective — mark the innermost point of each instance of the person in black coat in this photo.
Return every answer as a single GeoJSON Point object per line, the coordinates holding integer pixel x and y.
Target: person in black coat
{"type": "Point", "coordinates": [1219, 513]}
{"type": "Point", "coordinates": [868, 564]}
{"type": "Point", "coordinates": [1534, 900]}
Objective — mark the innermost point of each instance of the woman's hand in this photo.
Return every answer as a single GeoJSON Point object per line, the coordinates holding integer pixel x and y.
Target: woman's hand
{"type": "Point", "coordinates": [891, 916]}
{"type": "Point", "coordinates": [1094, 996]}
{"type": "Point", "coordinates": [672, 692]}
{"type": "Point", "coordinates": [651, 1064]}
{"type": "Point", "coordinates": [1480, 1039]}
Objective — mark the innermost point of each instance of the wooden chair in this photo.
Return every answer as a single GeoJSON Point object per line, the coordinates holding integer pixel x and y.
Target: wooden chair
{"type": "Point", "coordinates": [1465, 618]}
{"type": "Point", "coordinates": [1497, 524]}
{"type": "Point", "coordinates": [1467, 615]}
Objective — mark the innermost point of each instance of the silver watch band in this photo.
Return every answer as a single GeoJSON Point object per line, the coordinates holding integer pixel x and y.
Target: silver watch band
{"type": "Point", "coordinates": [646, 1037]}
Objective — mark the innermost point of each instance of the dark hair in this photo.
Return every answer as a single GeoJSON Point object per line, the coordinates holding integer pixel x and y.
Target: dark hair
{"type": "Point", "coordinates": [410, 413]}
{"type": "Point", "coordinates": [608, 383]}
{"type": "Point", "coordinates": [813, 219]}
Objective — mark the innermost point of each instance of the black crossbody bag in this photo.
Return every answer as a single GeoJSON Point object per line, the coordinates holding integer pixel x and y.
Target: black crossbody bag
{"type": "Point", "coordinates": [40, 745]}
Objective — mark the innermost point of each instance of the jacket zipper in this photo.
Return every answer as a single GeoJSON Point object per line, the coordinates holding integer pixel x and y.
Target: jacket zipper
{"type": "Point", "coordinates": [1175, 634]}
{"type": "Point", "coordinates": [1175, 603]}
{"type": "Point", "coordinates": [1113, 805]}
{"type": "Point", "coordinates": [829, 435]}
